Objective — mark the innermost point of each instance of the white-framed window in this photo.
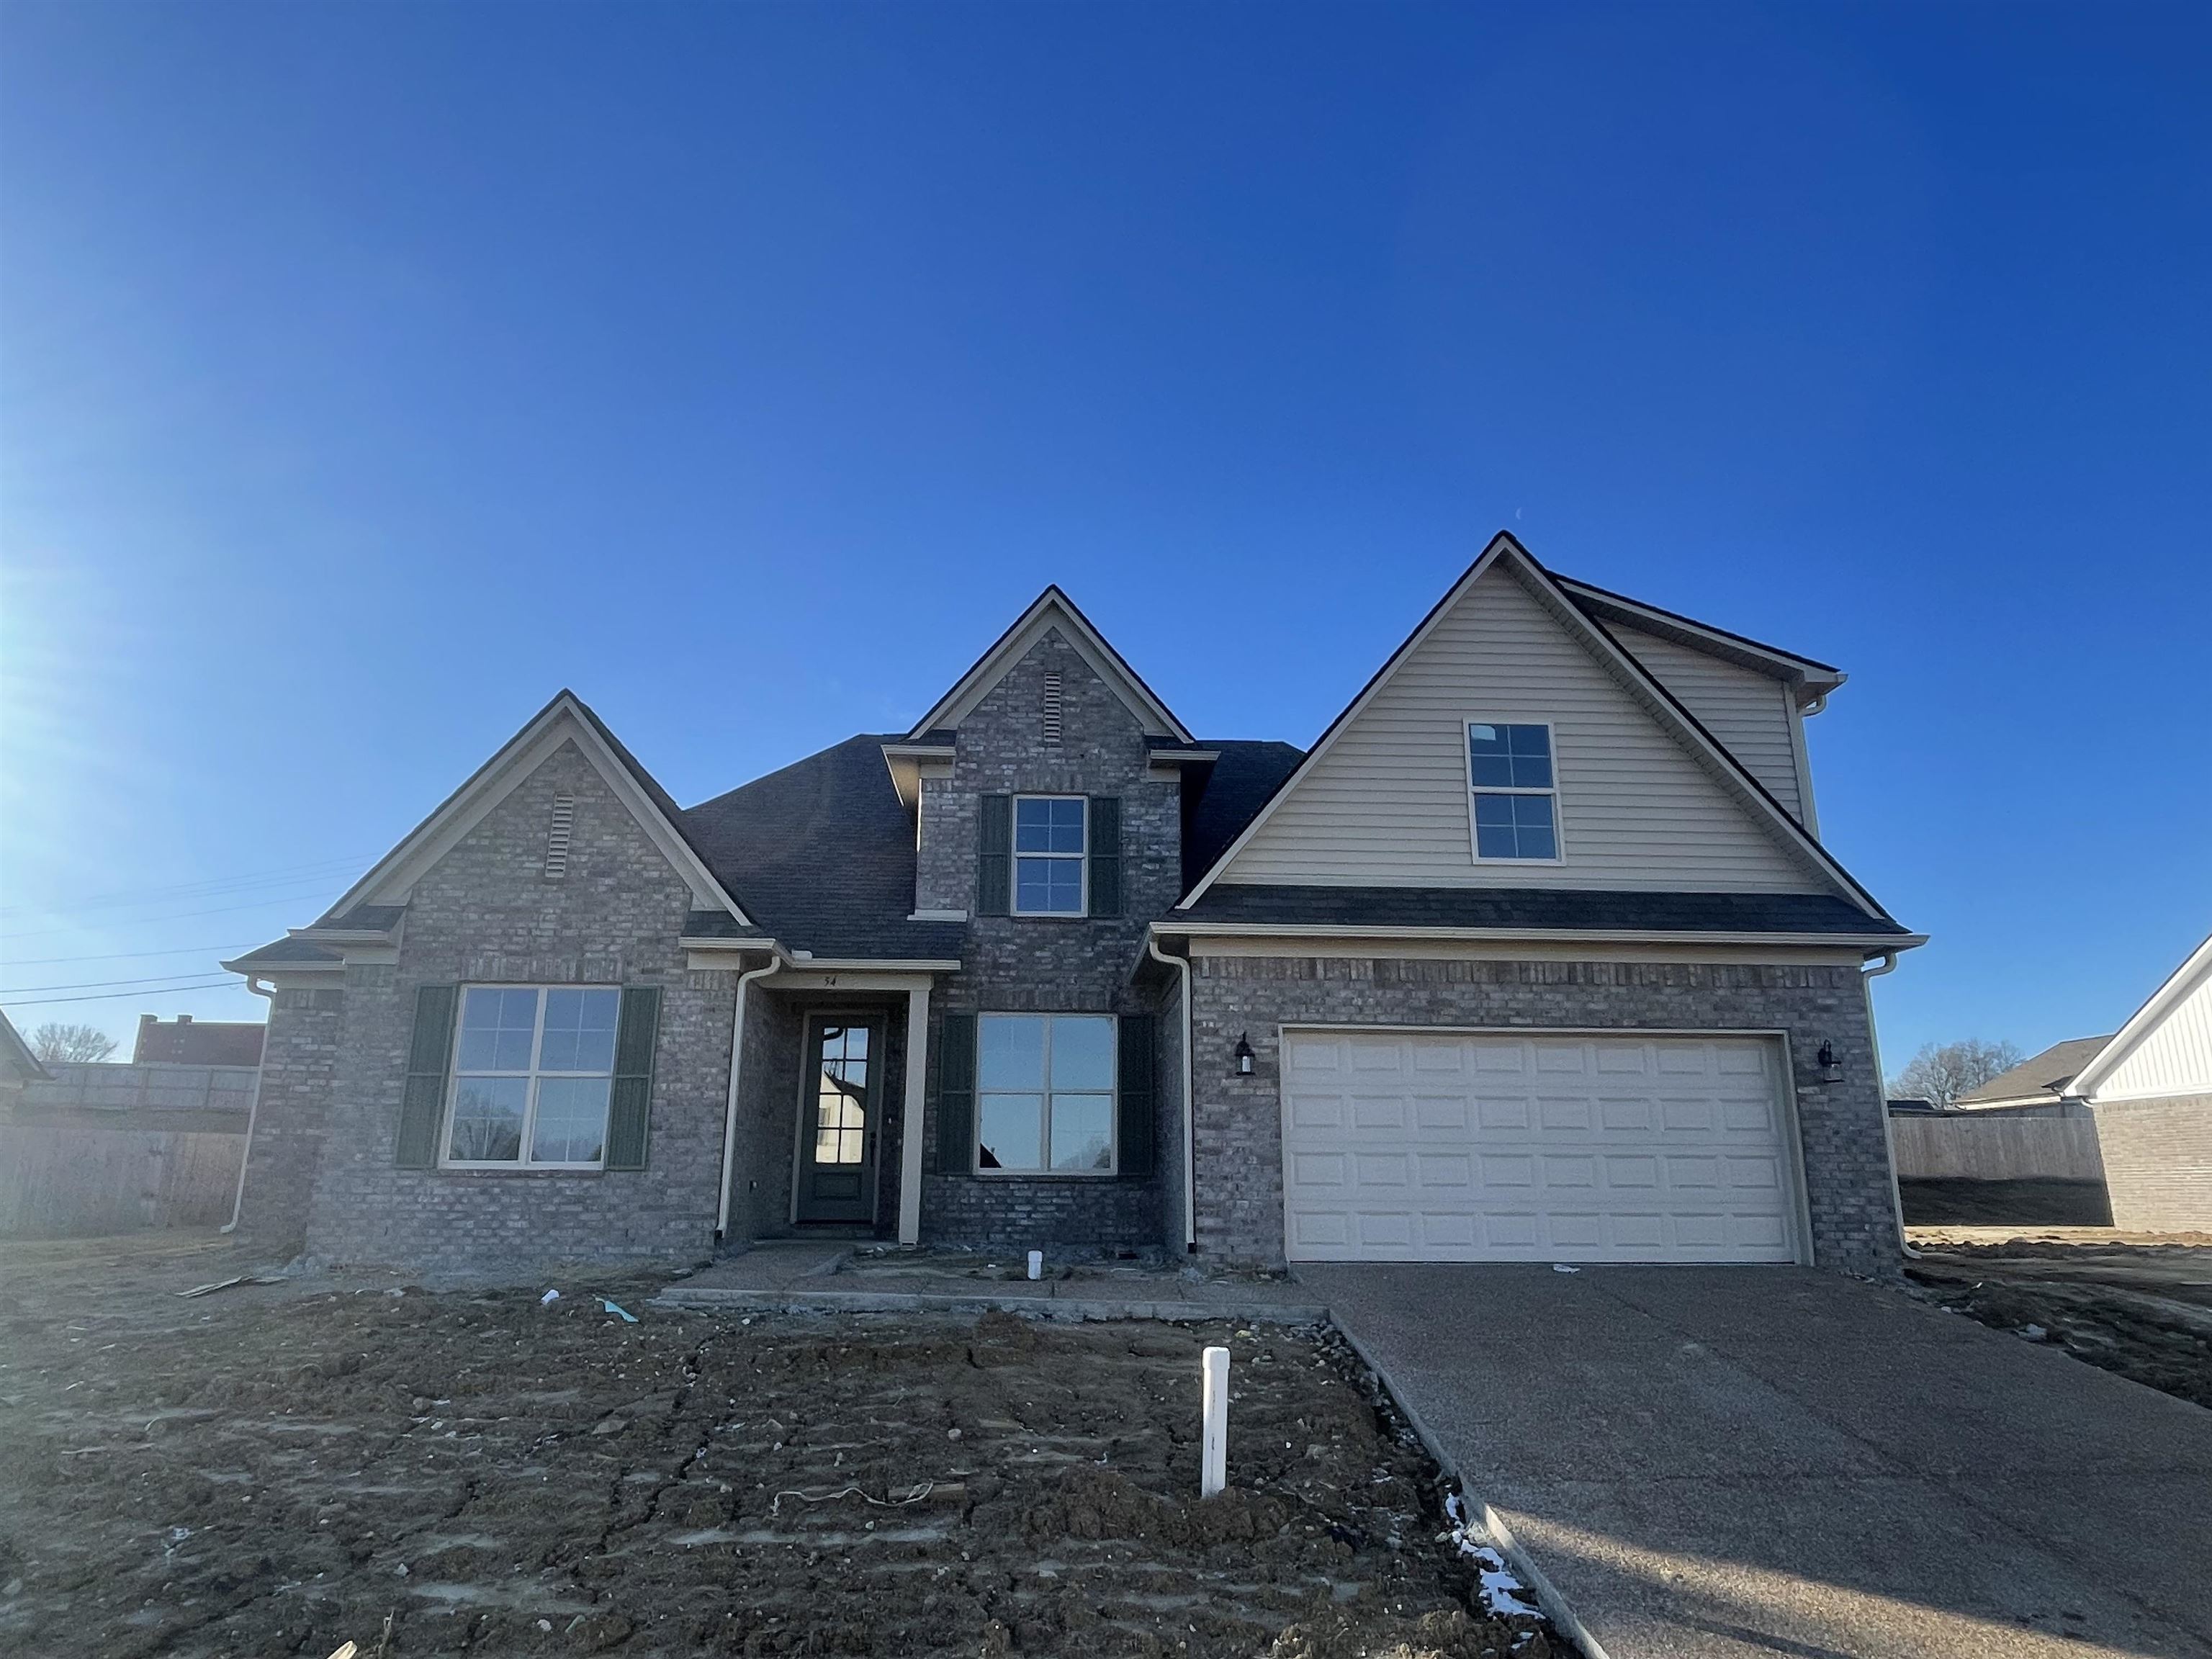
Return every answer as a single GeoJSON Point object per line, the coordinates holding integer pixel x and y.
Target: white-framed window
{"type": "Point", "coordinates": [1051, 840]}
{"type": "Point", "coordinates": [1044, 1094]}
{"type": "Point", "coordinates": [1513, 785]}
{"type": "Point", "coordinates": [532, 1069]}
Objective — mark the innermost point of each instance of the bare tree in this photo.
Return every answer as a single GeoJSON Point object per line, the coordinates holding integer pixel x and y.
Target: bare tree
{"type": "Point", "coordinates": [1942, 1072]}
{"type": "Point", "coordinates": [57, 1044]}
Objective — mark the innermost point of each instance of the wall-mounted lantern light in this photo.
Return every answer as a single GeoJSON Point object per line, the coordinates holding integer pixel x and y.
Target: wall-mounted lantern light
{"type": "Point", "coordinates": [1244, 1055]}
{"type": "Point", "coordinates": [1831, 1069]}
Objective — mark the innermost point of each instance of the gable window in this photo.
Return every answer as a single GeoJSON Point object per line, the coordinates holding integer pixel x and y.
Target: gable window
{"type": "Point", "coordinates": [1517, 806]}
{"type": "Point", "coordinates": [1050, 844]}
{"type": "Point", "coordinates": [533, 1070]}
{"type": "Point", "coordinates": [1044, 1094]}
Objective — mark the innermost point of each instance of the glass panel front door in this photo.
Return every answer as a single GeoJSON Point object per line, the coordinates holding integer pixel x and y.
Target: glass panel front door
{"type": "Point", "coordinates": [837, 1125]}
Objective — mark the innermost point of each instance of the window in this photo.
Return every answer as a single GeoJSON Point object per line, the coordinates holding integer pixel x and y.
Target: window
{"type": "Point", "coordinates": [531, 1075]}
{"type": "Point", "coordinates": [1048, 855]}
{"type": "Point", "coordinates": [1516, 794]}
{"type": "Point", "coordinates": [1044, 1093]}
{"type": "Point", "coordinates": [841, 1097]}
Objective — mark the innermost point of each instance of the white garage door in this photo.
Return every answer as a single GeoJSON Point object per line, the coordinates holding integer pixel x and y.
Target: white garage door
{"type": "Point", "coordinates": [1465, 1147]}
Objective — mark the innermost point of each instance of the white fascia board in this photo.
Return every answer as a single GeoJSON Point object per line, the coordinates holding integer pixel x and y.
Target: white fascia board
{"type": "Point", "coordinates": [1054, 609]}
{"type": "Point", "coordinates": [1872, 944]}
{"type": "Point", "coordinates": [563, 720]}
{"type": "Point", "coordinates": [279, 970]}
{"type": "Point", "coordinates": [2145, 1019]}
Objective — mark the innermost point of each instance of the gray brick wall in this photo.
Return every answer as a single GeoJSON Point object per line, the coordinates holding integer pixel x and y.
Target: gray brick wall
{"type": "Point", "coordinates": [2157, 1162]}
{"type": "Point", "coordinates": [486, 914]}
{"type": "Point", "coordinates": [291, 1118]}
{"type": "Point", "coordinates": [1025, 964]}
{"type": "Point", "coordinates": [1238, 1127]}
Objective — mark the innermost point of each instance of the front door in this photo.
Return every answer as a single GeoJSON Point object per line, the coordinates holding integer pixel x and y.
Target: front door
{"type": "Point", "coordinates": [837, 1120]}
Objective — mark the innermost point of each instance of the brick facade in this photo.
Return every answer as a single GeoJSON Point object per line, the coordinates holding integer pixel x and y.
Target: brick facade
{"type": "Point", "coordinates": [291, 1114]}
{"type": "Point", "coordinates": [1238, 1129]}
{"type": "Point", "coordinates": [2157, 1162]}
{"type": "Point", "coordinates": [486, 914]}
{"type": "Point", "coordinates": [1021, 964]}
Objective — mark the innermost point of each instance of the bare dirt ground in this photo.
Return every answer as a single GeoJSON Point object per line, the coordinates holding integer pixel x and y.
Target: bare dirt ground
{"type": "Point", "coordinates": [274, 1469]}
{"type": "Point", "coordinates": [2136, 1304]}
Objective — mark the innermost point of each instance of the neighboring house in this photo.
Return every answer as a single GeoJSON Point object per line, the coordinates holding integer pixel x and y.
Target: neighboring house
{"type": "Point", "coordinates": [2149, 1087]}
{"type": "Point", "coordinates": [2040, 1087]}
{"type": "Point", "coordinates": [186, 1041]}
{"type": "Point", "coordinates": [1536, 955]}
{"type": "Point", "coordinates": [18, 1065]}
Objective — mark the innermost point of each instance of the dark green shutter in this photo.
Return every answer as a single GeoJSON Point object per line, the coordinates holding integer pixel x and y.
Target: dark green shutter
{"type": "Point", "coordinates": [1138, 1107]}
{"type": "Point", "coordinates": [1105, 855]}
{"type": "Point", "coordinates": [955, 1095]}
{"type": "Point", "coordinates": [629, 1105]}
{"type": "Point", "coordinates": [423, 1106]}
{"type": "Point", "coordinates": [995, 856]}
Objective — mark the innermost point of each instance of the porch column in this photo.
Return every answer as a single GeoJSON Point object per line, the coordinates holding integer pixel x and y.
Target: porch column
{"type": "Point", "coordinates": [917, 1071]}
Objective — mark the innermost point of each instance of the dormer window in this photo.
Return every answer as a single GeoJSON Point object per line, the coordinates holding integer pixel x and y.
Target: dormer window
{"type": "Point", "coordinates": [1049, 845]}
{"type": "Point", "coordinates": [1516, 806]}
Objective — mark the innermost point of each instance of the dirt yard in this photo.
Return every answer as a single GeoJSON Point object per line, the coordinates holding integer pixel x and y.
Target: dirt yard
{"type": "Point", "coordinates": [2137, 1304]}
{"type": "Point", "coordinates": [274, 1469]}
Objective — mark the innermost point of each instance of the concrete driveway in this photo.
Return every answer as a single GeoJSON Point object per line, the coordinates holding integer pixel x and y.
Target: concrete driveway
{"type": "Point", "coordinates": [1760, 1461]}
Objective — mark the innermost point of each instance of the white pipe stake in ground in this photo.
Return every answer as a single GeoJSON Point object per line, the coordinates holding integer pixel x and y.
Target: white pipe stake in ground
{"type": "Point", "coordinates": [1037, 1264]}
{"type": "Point", "coordinates": [1213, 1458]}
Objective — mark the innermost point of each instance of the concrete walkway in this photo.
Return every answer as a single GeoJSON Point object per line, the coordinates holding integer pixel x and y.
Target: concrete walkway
{"type": "Point", "coordinates": [804, 1275]}
{"type": "Point", "coordinates": [1738, 1462]}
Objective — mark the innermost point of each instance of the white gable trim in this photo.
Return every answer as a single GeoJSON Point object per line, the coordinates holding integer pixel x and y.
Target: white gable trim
{"type": "Point", "coordinates": [1641, 684]}
{"type": "Point", "coordinates": [1053, 608]}
{"type": "Point", "coordinates": [2147, 1019]}
{"type": "Point", "coordinates": [563, 720]}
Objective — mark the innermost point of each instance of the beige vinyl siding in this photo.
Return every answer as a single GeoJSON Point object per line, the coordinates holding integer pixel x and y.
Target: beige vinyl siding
{"type": "Point", "coordinates": [1746, 711]}
{"type": "Point", "coordinates": [1386, 805]}
{"type": "Point", "coordinates": [2174, 1057]}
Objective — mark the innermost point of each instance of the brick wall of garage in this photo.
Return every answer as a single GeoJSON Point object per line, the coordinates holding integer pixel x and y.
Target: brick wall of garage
{"type": "Point", "coordinates": [1238, 1124]}
{"type": "Point", "coordinates": [2157, 1162]}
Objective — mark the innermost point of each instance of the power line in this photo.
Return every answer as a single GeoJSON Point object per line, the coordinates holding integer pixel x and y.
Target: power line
{"type": "Point", "coordinates": [207, 887]}
{"type": "Point", "coordinates": [121, 956]}
{"type": "Point", "coordinates": [102, 984]}
{"type": "Point", "coordinates": [109, 996]}
{"type": "Point", "coordinates": [181, 916]}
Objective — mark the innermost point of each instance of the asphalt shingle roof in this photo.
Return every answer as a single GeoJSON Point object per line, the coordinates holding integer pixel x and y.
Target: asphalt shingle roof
{"type": "Point", "coordinates": [1566, 908]}
{"type": "Point", "coordinates": [2045, 1074]}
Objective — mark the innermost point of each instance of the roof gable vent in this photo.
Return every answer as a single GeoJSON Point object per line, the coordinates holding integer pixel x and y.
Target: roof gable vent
{"type": "Point", "coordinates": [1052, 707]}
{"type": "Point", "coordinates": [557, 838]}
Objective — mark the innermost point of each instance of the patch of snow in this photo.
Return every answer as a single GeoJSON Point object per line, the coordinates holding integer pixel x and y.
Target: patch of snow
{"type": "Point", "coordinates": [1503, 1592]}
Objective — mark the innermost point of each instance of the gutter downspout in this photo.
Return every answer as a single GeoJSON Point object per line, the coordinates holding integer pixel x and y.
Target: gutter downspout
{"type": "Point", "coordinates": [737, 1060]}
{"type": "Point", "coordinates": [254, 1109]}
{"type": "Point", "coordinates": [1181, 965]}
{"type": "Point", "coordinates": [1867, 976]}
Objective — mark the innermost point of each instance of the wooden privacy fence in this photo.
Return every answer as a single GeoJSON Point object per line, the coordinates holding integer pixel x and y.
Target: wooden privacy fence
{"type": "Point", "coordinates": [1962, 1148]}
{"type": "Point", "coordinates": [58, 1182]}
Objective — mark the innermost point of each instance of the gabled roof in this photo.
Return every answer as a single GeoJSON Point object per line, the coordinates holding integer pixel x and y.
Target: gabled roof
{"type": "Point", "coordinates": [2040, 1080]}
{"type": "Point", "coordinates": [2146, 1019]}
{"type": "Point", "coordinates": [1052, 609]}
{"type": "Point", "coordinates": [1667, 708]}
{"type": "Point", "coordinates": [1809, 680]}
{"type": "Point", "coordinates": [564, 720]}
{"type": "Point", "coordinates": [17, 1063]}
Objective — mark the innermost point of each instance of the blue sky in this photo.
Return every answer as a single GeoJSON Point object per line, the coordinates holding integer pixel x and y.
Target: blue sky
{"type": "Point", "coordinates": [368, 372]}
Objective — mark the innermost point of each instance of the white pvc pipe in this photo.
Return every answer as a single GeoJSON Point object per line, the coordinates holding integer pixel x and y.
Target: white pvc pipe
{"type": "Point", "coordinates": [1037, 1264]}
{"type": "Point", "coordinates": [1213, 1455]}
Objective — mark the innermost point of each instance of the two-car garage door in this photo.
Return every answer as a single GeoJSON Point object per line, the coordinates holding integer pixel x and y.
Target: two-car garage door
{"type": "Point", "coordinates": [1498, 1146]}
